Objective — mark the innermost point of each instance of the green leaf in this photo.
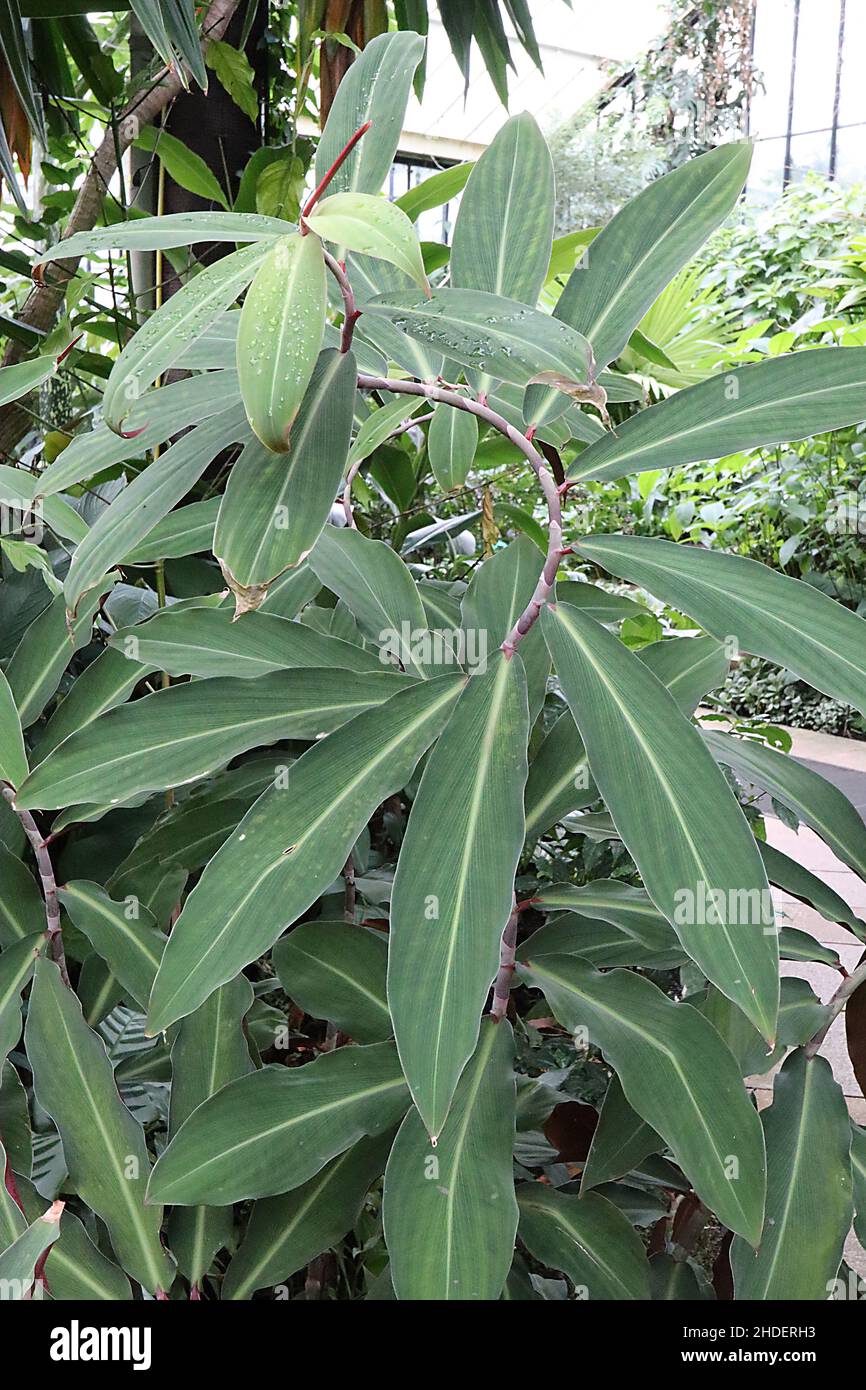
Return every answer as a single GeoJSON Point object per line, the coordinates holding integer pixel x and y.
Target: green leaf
{"type": "Point", "coordinates": [286, 1232]}
{"type": "Point", "coordinates": [378, 589]}
{"type": "Point", "coordinates": [184, 531]}
{"type": "Point", "coordinates": [695, 853]}
{"type": "Point", "coordinates": [336, 971]}
{"type": "Point", "coordinates": [165, 234]}
{"type": "Point", "coordinates": [22, 911]}
{"type": "Point", "coordinates": [207, 642]}
{"type": "Point", "coordinates": [793, 878]}
{"type": "Point", "coordinates": [18, 1261]}
{"type": "Point", "coordinates": [75, 1268]}
{"type": "Point", "coordinates": [103, 1145]}
{"type": "Point", "coordinates": [559, 780]}
{"type": "Point", "coordinates": [646, 243]}
{"type": "Point", "coordinates": [16, 967]}
{"type": "Point", "coordinates": [123, 934]}
{"type": "Point", "coordinates": [809, 1201]}
{"type": "Point", "coordinates": [587, 1238]}
{"type": "Point", "coordinates": [153, 419]}
{"type": "Point", "coordinates": [785, 620]}
{"type": "Point", "coordinates": [504, 227]}
{"type": "Point", "coordinates": [172, 328]}
{"type": "Point", "coordinates": [375, 89]}
{"type": "Point", "coordinates": [180, 21]}
{"type": "Point", "coordinates": [271, 1131]}
{"type": "Point", "coordinates": [43, 654]}
{"type": "Point", "coordinates": [508, 340]}
{"type": "Point", "coordinates": [688, 666]}
{"type": "Point", "coordinates": [451, 444]}
{"type": "Point", "coordinates": [235, 75]}
{"type": "Point", "coordinates": [183, 165]}
{"type": "Point", "coordinates": [274, 508]}
{"type": "Point", "coordinates": [858, 1169]}
{"type": "Point", "coordinates": [370, 278]}
{"type": "Point", "coordinates": [598, 603]}
{"type": "Point", "coordinates": [380, 424]}
{"type": "Point", "coordinates": [372, 227]}
{"type": "Point", "coordinates": [291, 845]}
{"type": "Point", "coordinates": [280, 188]}
{"type": "Point", "coordinates": [280, 333]}
{"type": "Point", "coordinates": [178, 734]}
{"type": "Point", "coordinates": [18, 380]}
{"type": "Point", "coordinates": [452, 896]}
{"type": "Point", "coordinates": [210, 1050]}
{"type": "Point", "coordinates": [13, 758]}
{"type": "Point", "coordinates": [818, 802]}
{"type": "Point", "coordinates": [449, 1213]}
{"type": "Point", "coordinates": [434, 191]}
{"type": "Point", "coordinates": [621, 1142]}
{"type": "Point", "coordinates": [676, 1073]}
{"type": "Point", "coordinates": [769, 402]}
{"type": "Point", "coordinates": [146, 500]}
{"type": "Point", "coordinates": [499, 592]}
{"type": "Point", "coordinates": [608, 923]}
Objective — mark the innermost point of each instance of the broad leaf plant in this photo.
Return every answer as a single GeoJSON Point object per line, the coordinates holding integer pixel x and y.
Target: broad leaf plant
{"type": "Point", "coordinates": [295, 817]}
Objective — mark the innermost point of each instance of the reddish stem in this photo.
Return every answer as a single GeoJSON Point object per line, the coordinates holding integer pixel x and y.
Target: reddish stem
{"type": "Point", "coordinates": [351, 314]}
{"type": "Point", "coordinates": [46, 876]}
{"type": "Point", "coordinates": [547, 578]}
{"type": "Point", "coordinates": [341, 159]}
{"type": "Point", "coordinates": [502, 987]}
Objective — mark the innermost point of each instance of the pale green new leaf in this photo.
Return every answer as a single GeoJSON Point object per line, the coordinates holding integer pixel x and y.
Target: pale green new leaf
{"type": "Point", "coordinates": [453, 895]}
{"type": "Point", "coordinates": [275, 505]}
{"type": "Point", "coordinates": [380, 424]}
{"type": "Point", "coordinates": [673, 810]}
{"type": "Point", "coordinates": [178, 734]}
{"type": "Point", "coordinates": [336, 971]}
{"type": "Point", "coordinates": [184, 317]}
{"type": "Point", "coordinates": [587, 1238]}
{"type": "Point", "coordinates": [372, 227]}
{"type": "Point", "coordinates": [270, 1131]}
{"type": "Point", "coordinates": [291, 845]}
{"type": "Point", "coordinates": [449, 1213]}
{"type": "Point", "coordinates": [103, 1145]}
{"type": "Point", "coordinates": [676, 1073]}
{"type": "Point", "coordinates": [769, 402]}
{"type": "Point", "coordinates": [809, 1189]}
{"type": "Point", "coordinates": [434, 191]}
{"type": "Point", "coordinates": [286, 1232]}
{"type": "Point", "coordinates": [279, 336]}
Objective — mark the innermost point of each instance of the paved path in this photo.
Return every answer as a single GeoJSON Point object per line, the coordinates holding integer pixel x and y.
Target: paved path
{"type": "Point", "coordinates": [843, 762]}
